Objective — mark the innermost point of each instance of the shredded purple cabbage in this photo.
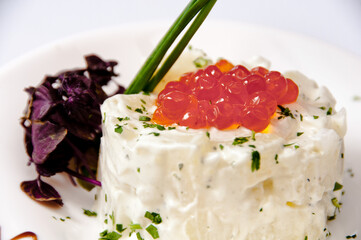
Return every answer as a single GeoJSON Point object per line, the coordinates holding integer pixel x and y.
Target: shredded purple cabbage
{"type": "Point", "coordinates": [63, 126]}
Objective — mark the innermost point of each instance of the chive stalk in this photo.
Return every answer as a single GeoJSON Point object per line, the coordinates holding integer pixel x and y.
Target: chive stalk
{"type": "Point", "coordinates": [177, 51]}
{"type": "Point", "coordinates": [146, 72]}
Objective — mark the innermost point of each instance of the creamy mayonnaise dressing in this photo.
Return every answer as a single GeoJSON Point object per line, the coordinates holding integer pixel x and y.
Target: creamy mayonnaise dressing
{"type": "Point", "coordinates": [204, 188]}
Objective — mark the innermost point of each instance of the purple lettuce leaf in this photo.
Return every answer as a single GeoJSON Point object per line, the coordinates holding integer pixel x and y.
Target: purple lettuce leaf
{"type": "Point", "coordinates": [45, 138]}
{"type": "Point", "coordinates": [41, 191]}
{"type": "Point", "coordinates": [62, 125]}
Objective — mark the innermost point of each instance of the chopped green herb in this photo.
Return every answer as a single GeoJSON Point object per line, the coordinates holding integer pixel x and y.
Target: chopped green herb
{"type": "Point", "coordinates": [306, 237]}
{"type": "Point", "coordinates": [151, 125]}
{"type": "Point", "coordinates": [253, 135]}
{"type": "Point", "coordinates": [240, 140]}
{"type": "Point", "coordinates": [180, 166]}
{"type": "Point", "coordinates": [144, 109]}
{"type": "Point", "coordinates": [123, 119]}
{"type": "Point", "coordinates": [301, 117]}
{"type": "Point", "coordinates": [135, 226]}
{"type": "Point", "coordinates": [276, 158]}
{"type": "Point", "coordinates": [139, 237]}
{"type": "Point", "coordinates": [144, 102]}
{"type": "Point", "coordinates": [120, 228]}
{"type": "Point", "coordinates": [285, 112]}
{"type": "Point", "coordinates": [62, 219]}
{"type": "Point", "coordinates": [106, 221]}
{"type": "Point", "coordinates": [256, 157]}
{"type": "Point", "coordinates": [221, 146]}
{"type": "Point", "coordinates": [329, 111]}
{"type": "Point", "coordinates": [171, 128]}
{"type": "Point", "coordinates": [105, 235]}
{"type": "Point", "coordinates": [154, 133]}
{"type": "Point", "coordinates": [287, 145]}
{"type": "Point", "coordinates": [129, 107]}
{"type": "Point", "coordinates": [111, 216]}
{"type": "Point", "coordinates": [89, 213]}
{"type": "Point", "coordinates": [337, 186]}
{"type": "Point", "coordinates": [153, 216]}
{"type": "Point", "coordinates": [299, 134]}
{"type": "Point", "coordinates": [208, 135]}
{"type": "Point", "coordinates": [138, 170]}
{"type": "Point", "coordinates": [104, 117]}
{"type": "Point", "coordinates": [200, 62]}
{"type": "Point", "coordinates": [106, 198]}
{"type": "Point", "coordinates": [342, 155]}
{"type": "Point", "coordinates": [336, 203]}
{"type": "Point", "coordinates": [139, 110]}
{"type": "Point", "coordinates": [351, 236]}
{"type": "Point", "coordinates": [118, 129]}
{"type": "Point", "coordinates": [153, 231]}
{"type": "Point", "coordinates": [144, 118]}
{"type": "Point", "coordinates": [261, 209]}
{"type": "Point", "coordinates": [146, 93]}
{"type": "Point", "coordinates": [297, 147]}
{"type": "Point", "coordinates": [315, 117]}
{"type": "Point", "coordinates": [252, 146]}
{"type": "Point", "coordinates": [323, 108]}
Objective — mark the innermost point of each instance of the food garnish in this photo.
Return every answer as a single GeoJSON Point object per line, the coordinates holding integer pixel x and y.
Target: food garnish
{"type": "Point", "coordinates": [63, 121]}
{"type": "Point", "coordinates": [63, 126]}
{"type": "Point", "coordinates": [225, 96]}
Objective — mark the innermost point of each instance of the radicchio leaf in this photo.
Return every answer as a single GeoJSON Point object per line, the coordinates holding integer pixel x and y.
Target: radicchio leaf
{"type": "Point", "coordinates": [41, 191]}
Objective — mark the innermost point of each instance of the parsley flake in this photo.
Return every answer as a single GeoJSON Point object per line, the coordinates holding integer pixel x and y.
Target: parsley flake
{"type": "Point", "coordinates": [337, 186]}
{"type": "Point", "coordinates": [89, 213]}
{"type": "Point", "coordinates": [144, 118]}
{"type": "Point", "coordinates": [139, 237]}
{"type": "Point", "coordinates": [153, 216]}
{"type": "Point", "coordinates": [139, 110]}
{"type": "Point", "coordinates": [123, 119]}
{"type": "Point", "coordinates": [104, 117]}
{"type": "Point", "coordinates": [240, 140]}
{"type": "Point", "coordinates": [144, 102]}
{"type": "Point", "coordinates": [351, 236]}
{"type": "Point", "coordinates": [208, 135]}
{"type": "Point", "coordinates": [276, 158]}
{"type": "Point", "coordinates": [105, 235]}
{"type": "Point", "coordinates": [221, 146]}
{"type": "Point", "coordinates": [256, 158]}
{"type": "Point", "coordinates": [285, 112]}
{"type": "Point", "coordinates": [287, 145]}
{"type": "Point", "coordinates": [120, 228]}
{"type": "Point", "coordinates": [329, 111]}
{"type": "Point", "coordinates": [135, 226]}
{"type": "Point", "coordinates": [153, 231]}
{"type": "Point", "coordinates": [299, 133]}
{"type": "Point", "coordinates": [154, 133]}
{"type": "Point", "coordinates": [315, 117]}
{"type": "Point", "coordinates": [118, 129]}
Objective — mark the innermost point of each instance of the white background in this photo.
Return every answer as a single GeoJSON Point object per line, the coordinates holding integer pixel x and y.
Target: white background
{"type": "Point", "coordinates": [28, 24]}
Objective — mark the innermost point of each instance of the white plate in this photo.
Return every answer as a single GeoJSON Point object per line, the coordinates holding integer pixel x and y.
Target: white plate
{"type": "Point", "coordinates": [130, 45]}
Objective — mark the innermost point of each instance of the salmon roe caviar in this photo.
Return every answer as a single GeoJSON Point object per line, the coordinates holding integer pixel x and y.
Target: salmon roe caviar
{"type": "Point", "coordinates": [224, 96]}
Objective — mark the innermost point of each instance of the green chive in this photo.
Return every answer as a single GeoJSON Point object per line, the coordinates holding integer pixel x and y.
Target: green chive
{"type": "Point", "coordinates": [153, 231]}
{"type": "Point", "coordinates": [142, 80]}
{"type": "Point", "coordinates": [144, 118]}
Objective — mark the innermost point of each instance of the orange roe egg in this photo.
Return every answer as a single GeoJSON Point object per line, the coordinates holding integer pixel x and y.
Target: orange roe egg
{"type": "Point", "coordinates": [224, 96]}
